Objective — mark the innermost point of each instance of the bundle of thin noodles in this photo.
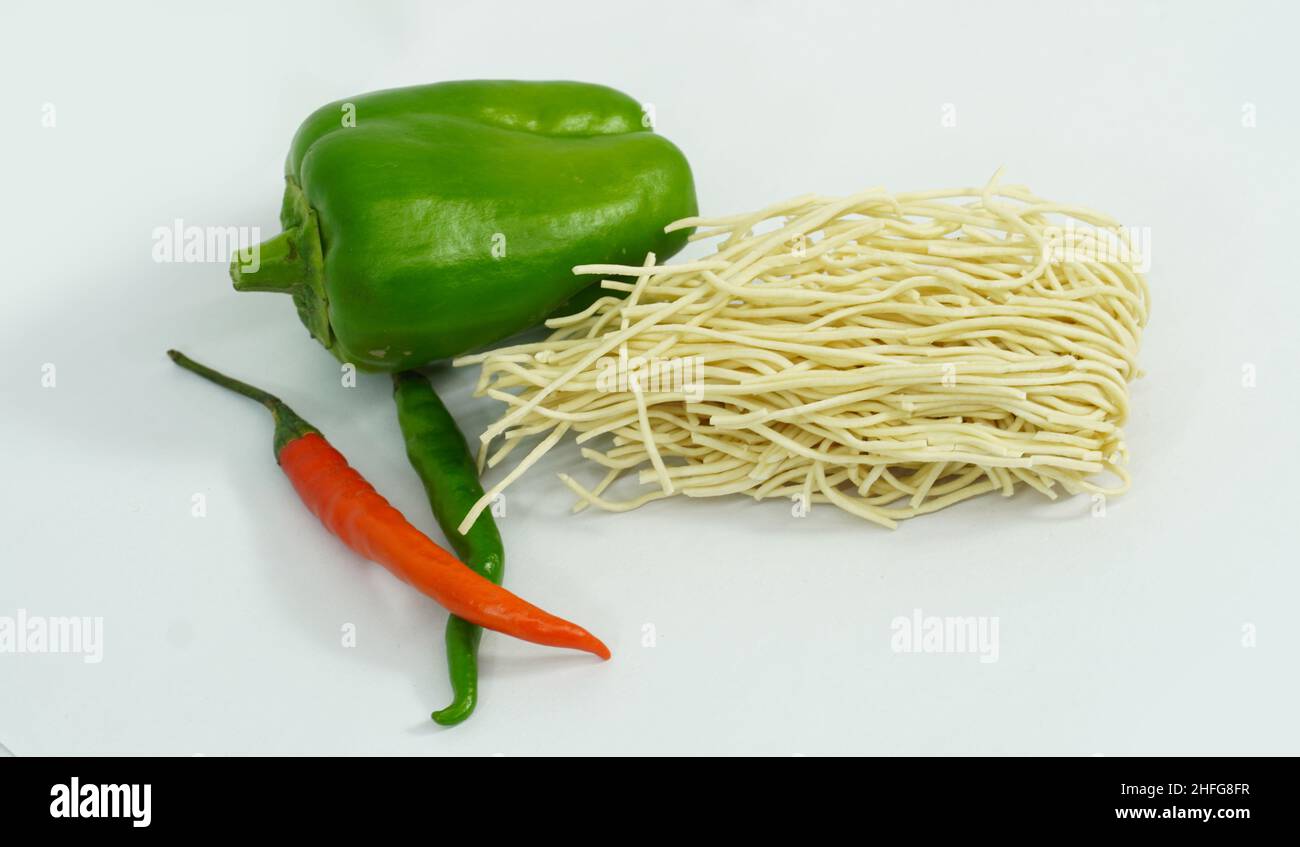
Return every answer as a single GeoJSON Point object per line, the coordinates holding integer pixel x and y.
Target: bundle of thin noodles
{"type": "Point", "coordinates": [889, 354]}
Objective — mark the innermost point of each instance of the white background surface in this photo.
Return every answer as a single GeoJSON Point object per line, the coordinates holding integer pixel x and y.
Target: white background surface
{"type": "Point", "coordinates": [222, 634]}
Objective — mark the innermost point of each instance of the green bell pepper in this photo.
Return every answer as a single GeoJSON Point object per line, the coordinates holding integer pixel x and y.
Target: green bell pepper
{"type": "Point", "coordinates": [423, 222]}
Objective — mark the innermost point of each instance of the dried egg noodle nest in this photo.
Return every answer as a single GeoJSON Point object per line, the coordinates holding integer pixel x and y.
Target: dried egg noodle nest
{"type": "Point", "coordinates": [888, 354]}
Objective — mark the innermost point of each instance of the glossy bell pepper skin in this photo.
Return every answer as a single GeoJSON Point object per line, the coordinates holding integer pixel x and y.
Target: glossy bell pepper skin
{"type": "Point", "coordinates": [423, 222]}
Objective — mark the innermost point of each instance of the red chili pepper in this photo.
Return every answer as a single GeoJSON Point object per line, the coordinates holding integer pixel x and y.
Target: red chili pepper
{"type": "Point", "coordinates": [352, 509]}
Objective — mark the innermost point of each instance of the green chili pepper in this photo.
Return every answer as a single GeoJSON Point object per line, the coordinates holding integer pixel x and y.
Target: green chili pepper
{"type": "Point", "coordinates": [423, 222]}
{"type": "Point", "coordinates": [442, 460]}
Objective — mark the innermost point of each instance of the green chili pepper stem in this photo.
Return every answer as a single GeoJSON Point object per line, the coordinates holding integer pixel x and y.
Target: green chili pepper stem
{"type": "Point", "coordinates": [288, 426]}
{"type": "Point", "coordinates": [440, 456]}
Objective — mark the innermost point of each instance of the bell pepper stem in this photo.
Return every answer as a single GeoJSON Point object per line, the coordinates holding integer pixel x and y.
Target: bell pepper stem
{"type": "Point", "coordinates": [291, 263]}
{"type": "Point", "coordinates": [273, 265]}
